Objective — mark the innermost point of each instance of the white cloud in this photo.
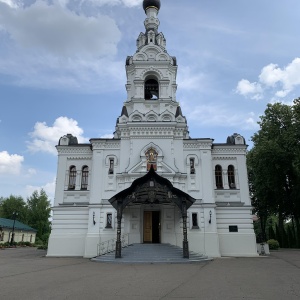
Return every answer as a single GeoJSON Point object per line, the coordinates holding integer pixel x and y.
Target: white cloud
{"type": "Point", "coordinates": [49, 188]}
{"type": "Point", "coordinates": [131, 3]}
{"type": "Point", "coordinates": [188, 79]}
{"type": "Point", "coordinates": [281, 81]}
{"type": "Point", "coordinates": [60, 31]}
{"type": "Point", "coordinates": [31, 172]}
{"type": "Point", "coordinates": [10, 3]}
{"type": "Point", "coordinates": [44, 137]}
{"type": "Point", "coordinates": [49, 46]}
{"type": "Point", "coordinates": [128, 3]}
{"type": "Point", "coordinates": [246, 88]}
{"type": "Point", "coordinates": [218, 116]}
{"type": "Point", "coordinates": [10, 163]}
{"type": "Point", "coordinates": [46, 71]}
{"type": "Point", "coordinates": [107, 136]}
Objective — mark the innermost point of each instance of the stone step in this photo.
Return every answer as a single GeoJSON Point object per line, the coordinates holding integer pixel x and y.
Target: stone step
{"type": "Point", "coordinates": [151, 253]}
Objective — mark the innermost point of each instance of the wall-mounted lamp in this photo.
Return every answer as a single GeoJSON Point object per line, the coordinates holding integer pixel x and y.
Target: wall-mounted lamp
{"type": "Point", "coordinates": [210, 213]}
{"type": "Point", "coordinates": [94, 222]}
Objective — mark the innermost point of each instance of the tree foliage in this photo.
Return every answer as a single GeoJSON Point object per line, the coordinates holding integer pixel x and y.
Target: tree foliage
{"type": "Point", "coordinates": [274, 166]}
{"type": "Point", "coordinates": [11, 205]}
{"type": "Point", "coordinates": [35, 213]}
{"type": "Point", "coordinates": [39, 213]}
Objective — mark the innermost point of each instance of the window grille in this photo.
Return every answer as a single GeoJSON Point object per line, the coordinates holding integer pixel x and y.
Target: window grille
{"type": "Point", "coordinates": [218, 175]}
{"type": "Point", "coordinates": [109, 220]}
{"type": "Point", "coordinates": [84, 177]}
{"type": "Point", "coordinates": [231, 177]}
{"type": "Point", "coordinates": [72, 178]}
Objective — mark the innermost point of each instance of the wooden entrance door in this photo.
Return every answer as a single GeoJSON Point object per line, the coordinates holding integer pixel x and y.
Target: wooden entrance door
{"type": "Point", "coordinates": [148, 227]}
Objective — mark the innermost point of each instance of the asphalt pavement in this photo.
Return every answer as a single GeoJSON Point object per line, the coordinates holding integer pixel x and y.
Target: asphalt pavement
{"type": "Point", "coordinates": [25, 273]}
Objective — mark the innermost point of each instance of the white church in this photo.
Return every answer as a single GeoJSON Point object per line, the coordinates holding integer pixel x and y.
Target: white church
{"type": "Point", "coordinates": [152, 182]}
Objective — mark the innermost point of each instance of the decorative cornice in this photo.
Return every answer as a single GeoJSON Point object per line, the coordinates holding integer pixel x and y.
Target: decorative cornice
{"type": "Point", "coordinates": [73, 150]}
{"type": "Point", "coordinates": [229, 151]}
{"type": "Point", "coordinates": [79, 157]}
{"type": "Point", "coordinates": [224, 158]}
{"type": "Point", "coordinates": [106, 145]}
{"type": "Point", "coordinates": [198, 145]}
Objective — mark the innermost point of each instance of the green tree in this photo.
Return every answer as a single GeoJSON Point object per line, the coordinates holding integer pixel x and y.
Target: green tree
{"type": "Point", "coordinates": [39, 213]}
{"type": "Point", "coordinates": [273, 165]}
{"type": "Point", "coordinates": [13, 204]}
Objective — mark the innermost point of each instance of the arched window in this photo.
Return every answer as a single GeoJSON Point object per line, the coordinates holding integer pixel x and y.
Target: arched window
{"type": "Point", "coordinates": [84, 177]}
{"type": "Point", "coordinates": [218, 175]}
{"type": "Point", "coordinates": [192, 165]}
{"type": "Point", "coordinates": [151, 89]}
{"type": "Point", "coordinates": [72, 178]}
{"type": "Point", "coordinates": [231, 177]}
{"type": "Point", "coordinates": [111, 166]}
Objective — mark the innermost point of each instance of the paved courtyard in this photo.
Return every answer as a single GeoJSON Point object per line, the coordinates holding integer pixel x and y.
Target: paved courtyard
{"type": "Point", "coordinates": [25, 273]}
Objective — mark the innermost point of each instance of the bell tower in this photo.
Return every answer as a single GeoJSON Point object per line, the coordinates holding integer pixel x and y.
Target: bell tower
{"type": "Point", "coordinates": [151, 79]}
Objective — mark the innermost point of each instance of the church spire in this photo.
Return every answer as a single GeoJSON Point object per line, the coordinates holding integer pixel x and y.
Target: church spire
{"type": "Point", "coordinates": [151, 36]}
{"type": "Point", "coordinates": [151, 8]}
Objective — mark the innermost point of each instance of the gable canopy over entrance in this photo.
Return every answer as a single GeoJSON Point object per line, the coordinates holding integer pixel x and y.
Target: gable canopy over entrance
{"type": "Point", "coordinates": [152, 189]}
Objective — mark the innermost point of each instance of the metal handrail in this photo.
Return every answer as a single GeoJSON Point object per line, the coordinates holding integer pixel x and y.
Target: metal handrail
{"type": "Point", "coordinates": [110, 245]}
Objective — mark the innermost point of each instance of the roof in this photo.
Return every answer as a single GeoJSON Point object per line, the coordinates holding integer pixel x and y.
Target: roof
{"type": "Point", "coordinates": [140, 192]}
{"type": "Point", "coordinates": [7, 223]}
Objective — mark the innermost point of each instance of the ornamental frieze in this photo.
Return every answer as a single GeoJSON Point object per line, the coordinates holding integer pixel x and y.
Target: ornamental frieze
{"type": "Point", "coordinates": [224, 158]}
{"type": "Point", "coordinates": [71, 150]}
{"type": "Point", "coordinates": [229, 151]}
{"type": "Point", "coordinates": [79, 157]}
{"type": "Point", "coordinates": [107, 145]}
{"type": "Point", "coordinates": [200, 146]}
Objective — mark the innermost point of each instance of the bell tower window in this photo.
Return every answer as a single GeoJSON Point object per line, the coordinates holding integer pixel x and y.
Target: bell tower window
{"type": "Point", "coordinates": [151, 89]}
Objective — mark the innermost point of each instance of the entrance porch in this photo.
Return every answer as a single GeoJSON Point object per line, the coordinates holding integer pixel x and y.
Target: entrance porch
{"type": "Point", "coordinates": [148, 192]}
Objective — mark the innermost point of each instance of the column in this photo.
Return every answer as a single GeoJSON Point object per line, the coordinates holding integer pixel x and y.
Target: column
{"type": "Point", "coordinates": [119, 221]}
{"type": "Point", "coordinates": [185, 243]}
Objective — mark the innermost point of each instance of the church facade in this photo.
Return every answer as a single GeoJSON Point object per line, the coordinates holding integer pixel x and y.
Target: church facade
{"type": "Point", "coordinates": [151, 135]}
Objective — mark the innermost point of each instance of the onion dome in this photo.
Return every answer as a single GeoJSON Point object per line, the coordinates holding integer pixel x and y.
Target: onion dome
{"type": "Point", "coordinates": [151, 3]}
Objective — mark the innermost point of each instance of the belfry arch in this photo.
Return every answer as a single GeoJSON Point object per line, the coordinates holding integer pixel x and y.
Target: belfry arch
{"type": "Point", "coordinates": [151, 189]}
{"type": "Point", "coordinates": [151, 89]}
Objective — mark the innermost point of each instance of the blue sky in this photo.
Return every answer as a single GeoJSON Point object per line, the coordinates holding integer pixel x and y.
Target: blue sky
{"type": "Point", "coordinates": [62, 71]}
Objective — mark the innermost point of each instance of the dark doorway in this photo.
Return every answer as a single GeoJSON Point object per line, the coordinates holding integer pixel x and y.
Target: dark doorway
{"type": "Point", "coordinates": [152, 227]}
{"type": "Point", "coordinates": [156, 227]}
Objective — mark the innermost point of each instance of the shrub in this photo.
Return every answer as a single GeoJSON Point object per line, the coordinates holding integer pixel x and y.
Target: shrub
{"type": "Point", "coordinates": [43, 247]}
{"type": "Point", "coordinates": [273, 244]}
{"type": "Point", "coordinates": [38, 242]}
